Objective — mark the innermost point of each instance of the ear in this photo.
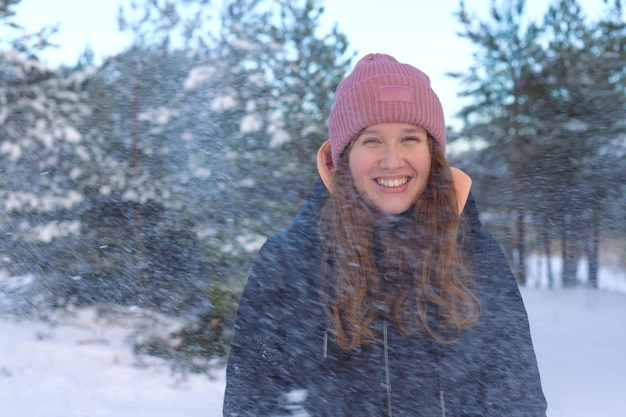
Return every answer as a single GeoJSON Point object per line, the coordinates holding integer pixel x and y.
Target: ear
{"type": "Point", "coordinates": [462, 185]}
{"type": "Point", "coordinates": [325, 165]}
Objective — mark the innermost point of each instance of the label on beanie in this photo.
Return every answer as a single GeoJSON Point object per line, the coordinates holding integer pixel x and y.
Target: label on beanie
{"type": "Point", "coordinates": [396, 93]}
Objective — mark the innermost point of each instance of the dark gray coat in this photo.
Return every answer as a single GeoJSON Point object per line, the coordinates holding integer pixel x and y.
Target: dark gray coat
{"type": "Point", "coordinates": [283, 363]}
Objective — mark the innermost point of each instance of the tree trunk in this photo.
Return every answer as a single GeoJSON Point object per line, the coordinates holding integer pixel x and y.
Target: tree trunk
{"type": "Point", "coordinates": [571, 251]}
{"type": "Point", "coordinates": [521, 247]}
{"type": "Point", "coordinates": [593, 243]}
{"type": "Point", "coordinates": [519, 184]}
{"type": "Point", "coordinates": [138, 238]}
{"type": "Point", "coordinates": [545, 237]}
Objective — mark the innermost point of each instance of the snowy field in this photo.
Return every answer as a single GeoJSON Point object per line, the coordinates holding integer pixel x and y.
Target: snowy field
{"type": "Point", "coordinates": [82, 366]}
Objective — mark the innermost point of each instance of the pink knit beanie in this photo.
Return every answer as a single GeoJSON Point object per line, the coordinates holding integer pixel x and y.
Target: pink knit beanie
{"type": "Point", "coordinates": [382, 90]}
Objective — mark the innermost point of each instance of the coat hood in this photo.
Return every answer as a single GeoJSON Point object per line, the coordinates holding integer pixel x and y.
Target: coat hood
{"type": "Point", "coordinates": [310, 212]}
{"type": "Point", "coordinates": [462, 181]}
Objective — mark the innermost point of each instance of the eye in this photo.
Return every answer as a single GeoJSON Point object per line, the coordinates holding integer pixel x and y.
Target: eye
{"type": "Point", "coordinates": [369, 141]}
{"type": "Point", "coordinates": [415, 139]}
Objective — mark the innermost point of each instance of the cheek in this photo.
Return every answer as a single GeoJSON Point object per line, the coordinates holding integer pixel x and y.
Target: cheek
{"type": "Point", "coordinates": [422, 162]}
{"type": "Point", "coordinates": [427, 163]}
{"type": "Point", "coordinates": [357, 169]}
{"type": "Point", "coordinates": [357, 179]}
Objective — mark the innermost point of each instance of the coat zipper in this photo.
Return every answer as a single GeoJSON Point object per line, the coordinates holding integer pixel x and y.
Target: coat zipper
{"type": "Point", "coordinates": [443, 404]}
{"type": "Point", "coordinates": [442, 400]}
{"type": "Point", "coordinates": [387, 373]}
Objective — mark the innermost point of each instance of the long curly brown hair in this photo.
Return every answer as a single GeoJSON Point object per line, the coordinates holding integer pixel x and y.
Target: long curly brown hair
{"type": "Point", "coordinates": [408, 268]}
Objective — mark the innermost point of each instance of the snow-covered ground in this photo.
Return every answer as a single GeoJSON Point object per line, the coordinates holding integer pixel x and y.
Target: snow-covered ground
{"type": "Point", "coordinates": [83, 366]}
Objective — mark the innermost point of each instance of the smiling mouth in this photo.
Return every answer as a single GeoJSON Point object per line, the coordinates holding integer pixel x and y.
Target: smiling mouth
{"type": "Point", "coordinates": [392, 183]}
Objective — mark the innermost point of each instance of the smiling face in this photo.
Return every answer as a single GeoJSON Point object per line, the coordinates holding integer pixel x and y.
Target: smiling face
{"type": "Point", "coordinates": [390, 165]}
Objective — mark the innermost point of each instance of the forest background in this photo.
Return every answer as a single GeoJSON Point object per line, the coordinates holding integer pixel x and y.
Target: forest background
{"type": "Point", "coordinates": [150, 179]}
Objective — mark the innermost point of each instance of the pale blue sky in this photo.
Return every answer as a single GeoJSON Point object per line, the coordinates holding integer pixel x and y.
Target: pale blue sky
{"type": "Point", "coordinates": [419, 32]}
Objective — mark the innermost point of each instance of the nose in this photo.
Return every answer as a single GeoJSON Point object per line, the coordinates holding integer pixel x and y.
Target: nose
{"type": "Point", "coordinates": [393, 158]}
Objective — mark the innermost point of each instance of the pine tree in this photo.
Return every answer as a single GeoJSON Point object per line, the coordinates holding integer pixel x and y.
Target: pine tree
{"type": "Point", "coordinates": [506, 54]}
{"type": "Point", "coordinates": [548, 117]}
{"type": "Point", "coordinates": [582, 103]}
{"type": "Point", "coordinates": [256, 104]}
{"type": "Point", "coordinates": [42, 155]}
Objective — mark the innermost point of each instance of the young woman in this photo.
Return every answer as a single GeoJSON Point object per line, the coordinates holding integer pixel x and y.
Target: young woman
{"type": "Point", "coordinates": [385, 297]}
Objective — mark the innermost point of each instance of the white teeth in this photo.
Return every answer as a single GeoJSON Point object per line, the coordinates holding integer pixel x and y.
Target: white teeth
{"type": "Point", "coordinates": [397, 182]}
